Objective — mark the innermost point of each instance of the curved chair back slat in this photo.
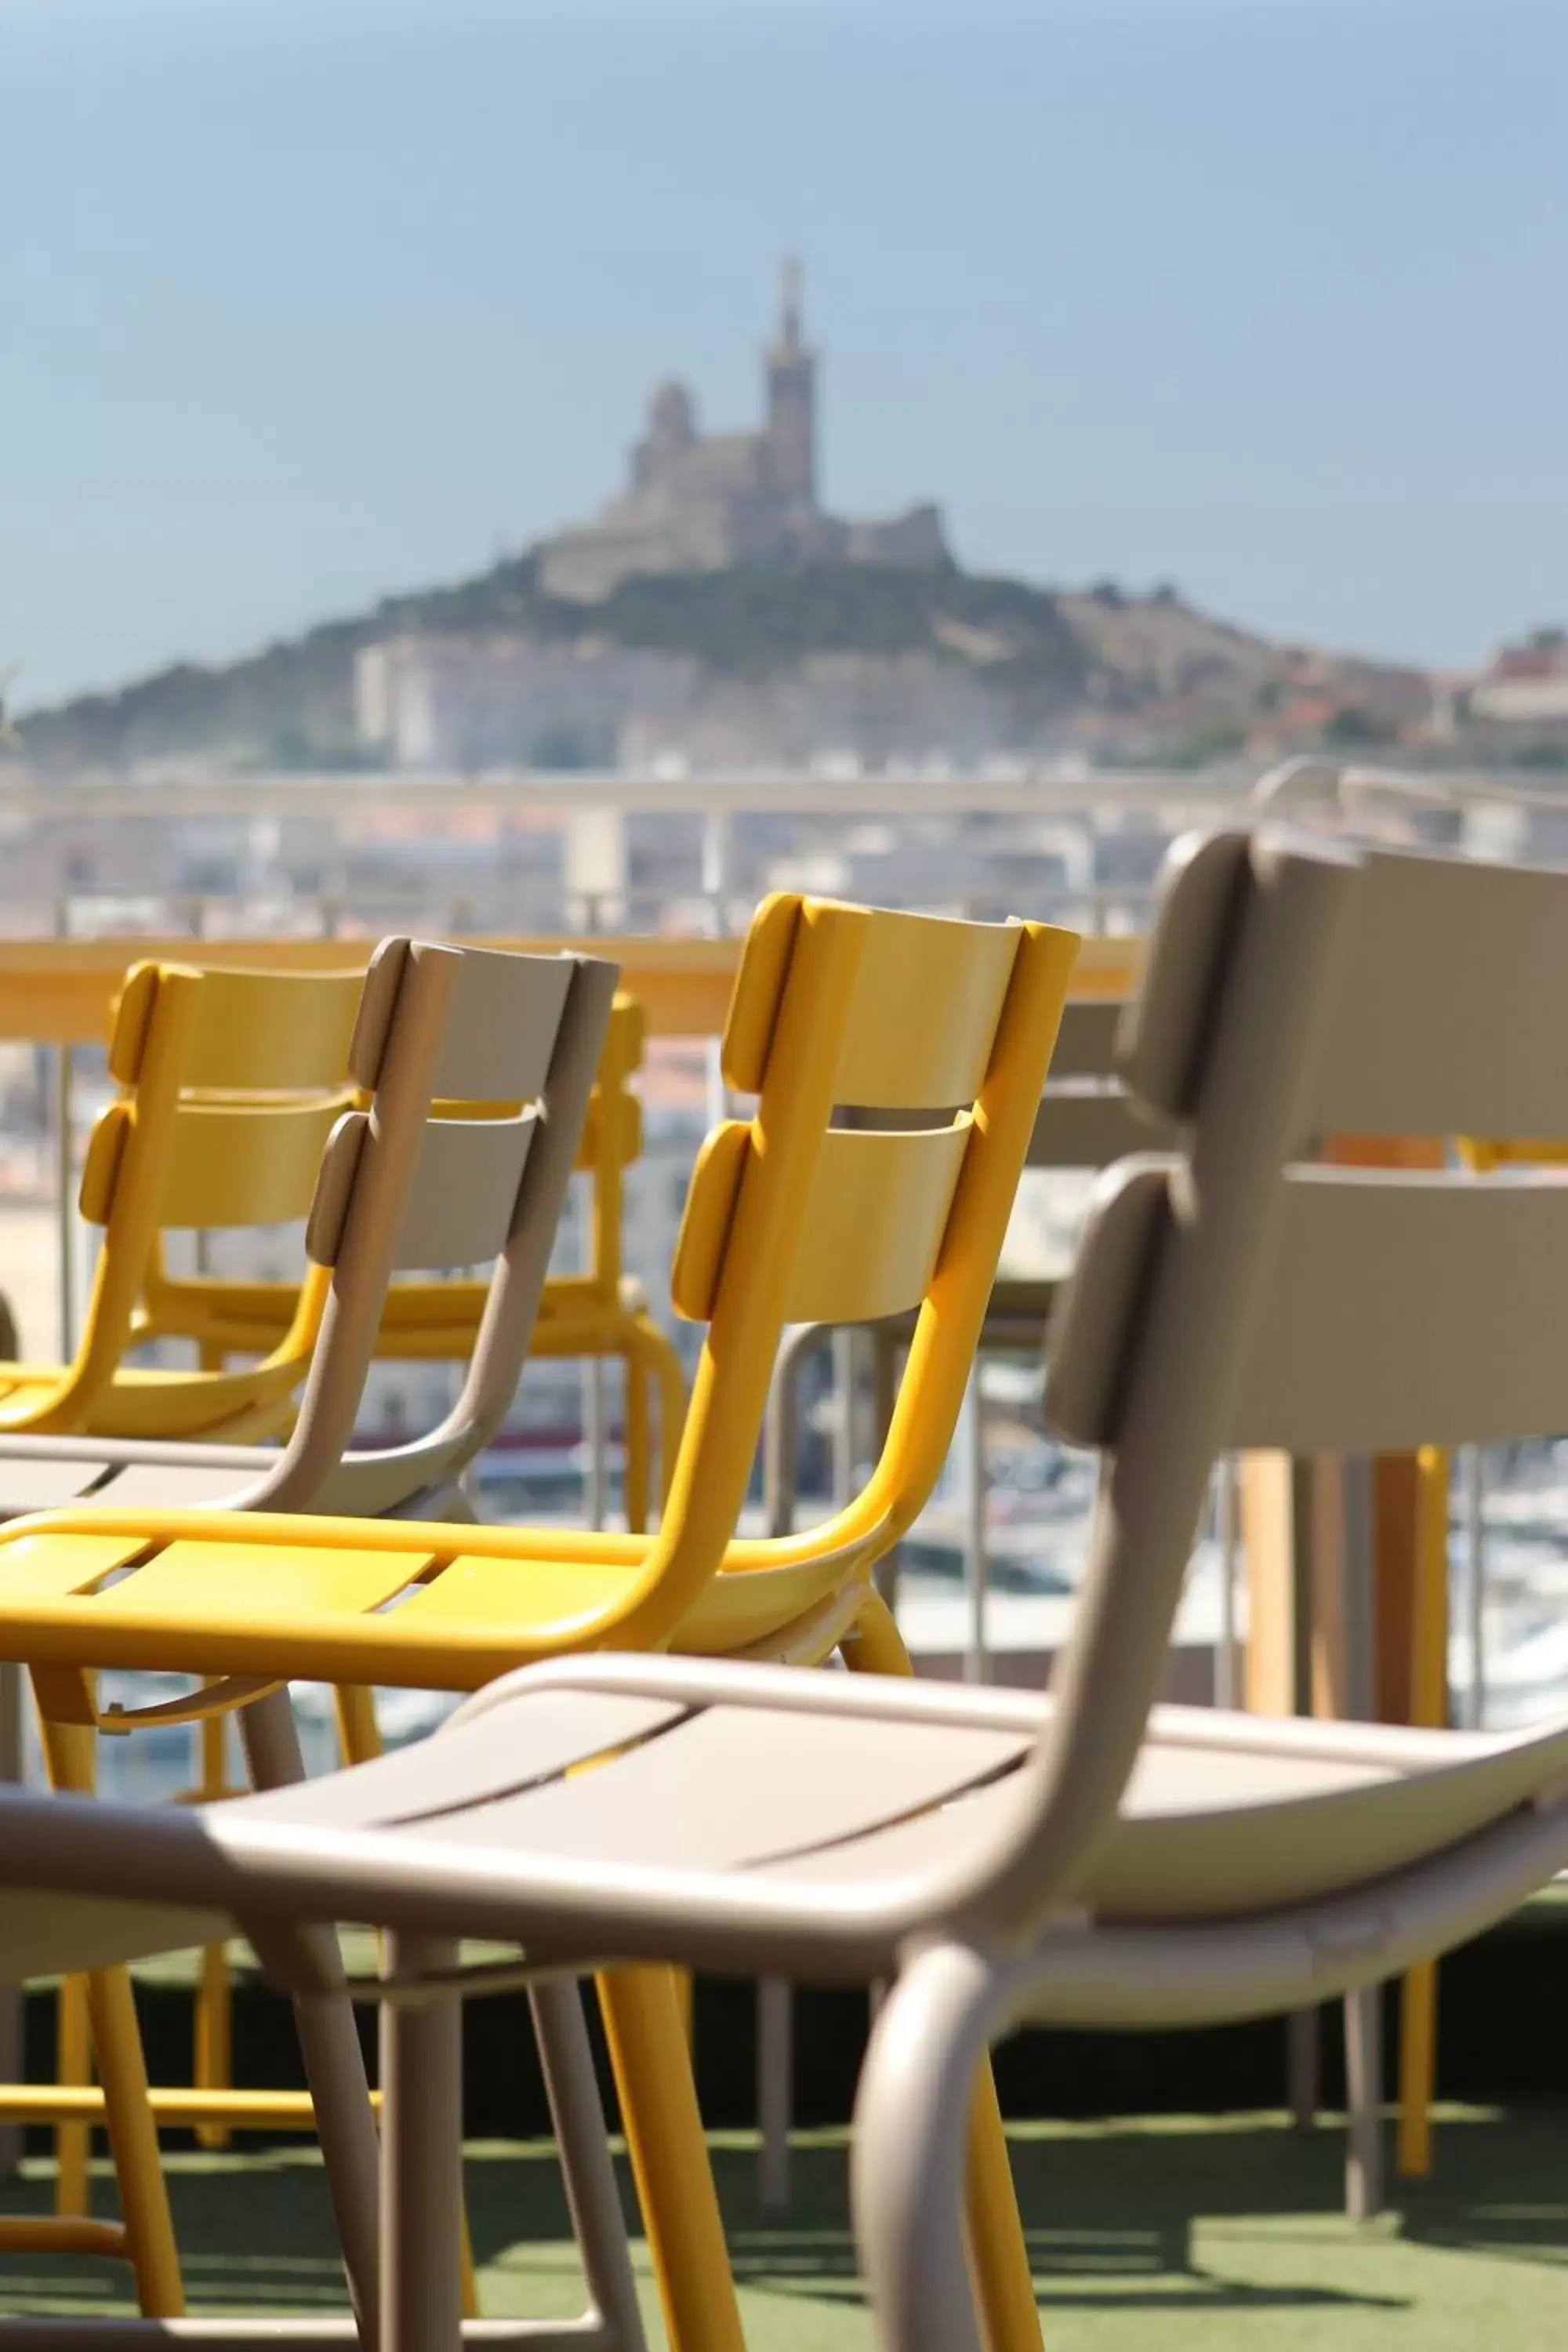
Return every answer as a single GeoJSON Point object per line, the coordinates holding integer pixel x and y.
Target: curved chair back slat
{"type": "Point", "coordinates": [253, 1032]}
{"type": "Point", "coordinates": [462, 1197]}
{"type": "Point", "coordinates": [231, 1164]}
{"type": "Point", "coordinates": [920, 1015]}
{"type": "Point", "coordinates": [503, 1018]}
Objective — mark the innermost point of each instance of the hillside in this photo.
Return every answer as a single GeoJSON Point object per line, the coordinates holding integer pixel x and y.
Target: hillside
{"type": "Point", "coordinates": [1051, 654]}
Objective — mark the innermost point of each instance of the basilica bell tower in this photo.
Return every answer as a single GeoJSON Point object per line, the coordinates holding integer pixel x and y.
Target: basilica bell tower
{"type": "Point", "coordinates": [792, 400]}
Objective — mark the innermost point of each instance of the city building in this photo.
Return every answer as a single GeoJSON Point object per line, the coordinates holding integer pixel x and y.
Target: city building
{"type": "Point", "coordinates": [1526, 685]}
{"type": "Point", "coordinates": [473, 702]}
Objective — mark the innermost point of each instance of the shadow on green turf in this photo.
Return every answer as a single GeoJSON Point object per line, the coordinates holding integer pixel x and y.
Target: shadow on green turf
{"type": "Point", "coordinates": [1111, 2211]}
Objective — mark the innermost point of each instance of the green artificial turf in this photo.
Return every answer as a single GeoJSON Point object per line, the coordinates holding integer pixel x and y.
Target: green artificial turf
{"type": "Point", "coordinates": [1210, 2232]}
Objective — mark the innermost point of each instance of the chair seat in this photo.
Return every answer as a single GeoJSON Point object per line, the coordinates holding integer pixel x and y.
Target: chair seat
{"type": "Point", "coordinates": [28, 1388]}
{"type": "Point", "coordinates": [180, 1486]}
{"type": "Point", "coordinates": [423, 1322]}
{"type": "Point", "coordinates": [68, 1470]}
{"type": "Point", "coordinates": [42, 1483]}
{"type": "Point", "coordinates": [572, 1302]}
{"type": "Point", "coordinates": [1219, 1817]}
{"type": "Point", "coordinates": [753, 1816]}
{"type": "Point", "coordinates": [362, 1484]}
{"type": "Point", "coordinates": [151, 1402]}
{"type": "Point", "coordinates": [371, 1612]}
{"type": "Point", "coordinates": [1226, 1813]}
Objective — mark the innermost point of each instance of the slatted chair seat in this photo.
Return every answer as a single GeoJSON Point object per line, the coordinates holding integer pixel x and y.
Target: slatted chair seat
{"type": "Point", "coordinates": [453, 1616]}
{"type": "Point", "coordinates": [148, 1401]}
{"type": "Point", "coordinates": [1218, 1818]}
{"type": "Point", "coordinates": [727, 1797]}
{"type": "Point", "coordinates": [1223, 1812]}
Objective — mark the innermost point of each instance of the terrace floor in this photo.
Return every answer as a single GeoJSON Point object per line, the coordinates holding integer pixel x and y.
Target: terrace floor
{"type": "Point", "coordinates": [1218, 2232]}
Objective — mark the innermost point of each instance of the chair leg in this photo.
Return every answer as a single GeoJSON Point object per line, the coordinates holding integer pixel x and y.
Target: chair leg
{"type": "Point", "coordinates": [776, 2070]}
{"type": "Point", "coordinates": [133, 2141]}
{"type": "Point", "coordinates": [1303, 2065]}
{"type": "Point", "coordinates": [913, 2125]}
{"type": "Point", "coordinates": [359, 1741]}
{"type": "Point", "coordinates": [1417, 2069]}
{"type": "Point", "coordinates": [422, 2159]}
{"type": "Point", "coordinates": [875, 1645]}
{"type": "Point", "coordinates": [359, 1734]}
{"type": "Point", "coordinates": [122, 2071]}
{"type": "Point", "coordinates": [1003, 2277]}
{"type": "Point", "coordinates": [329, 2043]}
{"type": "Point", "coordinates": [1363, 2096]}
{"type": "Point", "coordinates": [998, 2248]}
{"type": "Point", "coordinates": [669, 2159]}
{"type": "Point", "coordinates": [585, 2163]}
{"type": "Point", "coordinates": [776, 1996]}
{"type": "Point", "coordinates": [73, 2065]}
{"type": "Point", "coordinates": [214, 2067]}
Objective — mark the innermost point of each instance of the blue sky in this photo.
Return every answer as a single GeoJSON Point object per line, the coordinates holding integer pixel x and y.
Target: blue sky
{"type": "Point", "coordinates": [306, 300]}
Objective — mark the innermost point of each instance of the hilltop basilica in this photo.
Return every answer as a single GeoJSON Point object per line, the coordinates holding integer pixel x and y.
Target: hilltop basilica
{"type": "Point", "coordinates": [710, 501]}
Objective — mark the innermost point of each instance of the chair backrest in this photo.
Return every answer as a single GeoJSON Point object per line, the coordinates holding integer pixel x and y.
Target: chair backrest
{"type": "Point", "coordinates": [478, 1065]}
{"type": "Point", "coordinates": [1087, 1117]}
{"type": "Point", "coordinates": [1243, 1293]}
{"type": "Point", "coordinates": [232, 1083]}
{"type": "Point", "coordinates": [792, 1217]}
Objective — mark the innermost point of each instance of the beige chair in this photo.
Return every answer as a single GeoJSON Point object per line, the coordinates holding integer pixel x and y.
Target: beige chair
{"type": "Point", "coordinates": [555, 1011]}
{"type": "Point", "coordinates": [1090, 1858]}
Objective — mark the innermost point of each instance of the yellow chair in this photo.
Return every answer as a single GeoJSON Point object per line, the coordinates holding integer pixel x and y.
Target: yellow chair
{"type": "Point", "coordinates": [789, 1219]}
{"type": "Point", "coordinates": [231, 1083]}
{"type": "Point", "coordinates": [599, 1313]}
